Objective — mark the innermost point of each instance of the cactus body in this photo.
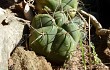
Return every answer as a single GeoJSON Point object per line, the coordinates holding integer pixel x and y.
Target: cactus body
{"type": "Point", "coordinates": [55, 35]}
{"type": "Point", "coordinates": [43, 20]}
{"type": "Point", "coordinates": [72, 3]}
{"type": "Point", "coordinates": [41, 43]}
{"type": "Point", "coordinates": [60, 18]}
{"type": "Point", "coordinates": [63, 45]}
{"type": "Point", "coordinates": [74, 31]}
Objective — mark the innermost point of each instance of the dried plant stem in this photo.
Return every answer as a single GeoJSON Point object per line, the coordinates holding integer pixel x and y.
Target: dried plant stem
{"type": "Point", "coordinates": [96, 24]}
{"type": "Point", "coordinates": [94, 21]}
{"type": "Point", "coordinates": [90, 60]}
{"type": "Point", "coordinates": [82, 18]}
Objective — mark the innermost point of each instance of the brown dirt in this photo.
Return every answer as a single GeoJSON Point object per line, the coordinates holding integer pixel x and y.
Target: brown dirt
{"type": "Point", "coordinates": [27, 60]}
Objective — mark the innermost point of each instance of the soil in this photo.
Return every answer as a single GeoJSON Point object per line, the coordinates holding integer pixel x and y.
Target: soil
{"type": "Point", "coordinates": [76, 62]}
{"type": "Point", "coordinates": [27, 60]}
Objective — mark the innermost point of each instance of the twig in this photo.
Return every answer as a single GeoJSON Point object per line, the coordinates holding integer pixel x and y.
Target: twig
{"type": "Point", "coordinates": [94, 21]}
{"type": "Point", "coordinates": [86, 23]}
{"type": "Point", "coordinates": [90, 60]}
{"type": "Point", "coordinates": [96, 24]}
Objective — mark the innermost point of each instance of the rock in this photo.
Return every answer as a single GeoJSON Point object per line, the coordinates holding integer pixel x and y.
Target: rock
{"type": "Point", "coordinates": [2, 15]}
{"type": "Point", "coordinates": [28, 60]}
{"type": "Point", "coordinates": [11, 31]}
{"type": "Point", "coordinates": [2, 11]}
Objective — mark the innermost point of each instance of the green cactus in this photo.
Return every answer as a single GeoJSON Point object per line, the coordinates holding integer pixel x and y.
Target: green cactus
{"type": "Point", "coordinates": [55, 35]}
{"type": "Point", "coordinates": [74, 30]}
{"type": "Point", "coordinates": [60, 18]}
{"type": "Point", "coordinates": [41, 42]}
{"type": "Point", "coordinates": [51, 4]}
{"type": "Point", "coordinates": [72, 3]}
{"type": "Point", "coordinates": [43, 32]}
{"type": "Point", "coordinates": [69, 6]}
{"type": "Point", "coordinates": [63, 45]}
{"type": "Point", "coordinates": [54, 40]}
{"type": "Point", "coordinates": [43, 20]}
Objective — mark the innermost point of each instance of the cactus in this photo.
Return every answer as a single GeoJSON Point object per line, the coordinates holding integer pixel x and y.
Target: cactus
{"type": "Point", "coordinates": [69, 6]}
{"type": "Point", "coordinates": [54, 40]}
{"type": "Point", "coordinates": [50, 4]}
{"type": "Point", "coordinates": [55, 35]}
{"type": "Point", "coordinates": [72, 3]}
{"type": "Point", "coordinates": [41, 42]}
{"type": "Point", "coordinates": [63, 45]}
{"type": "Point", "coordinates": [74, 30]}
{"type": "Point", "coordinates": [43, 20]}
{"type": "Point", "coordinates": [60, 18]}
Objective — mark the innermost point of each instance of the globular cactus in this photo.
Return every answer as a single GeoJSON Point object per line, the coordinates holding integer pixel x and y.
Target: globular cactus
{"type": "Point", "coordinates": [55, 35]}
{"type": "Point", "coordinates": [54, 40]}
{"type": "Point", "coordinates": [43, 33]}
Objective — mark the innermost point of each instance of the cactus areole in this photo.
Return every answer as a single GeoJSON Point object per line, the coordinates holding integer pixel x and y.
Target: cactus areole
{"type": "Point", "coordinates": [55, 35]}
